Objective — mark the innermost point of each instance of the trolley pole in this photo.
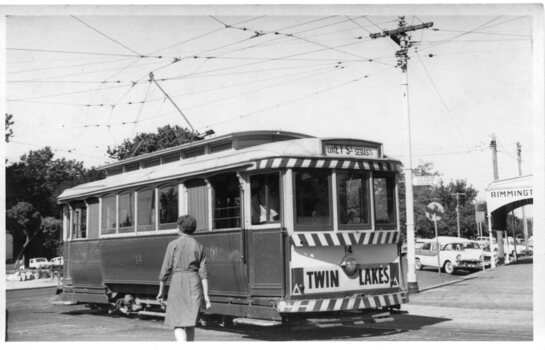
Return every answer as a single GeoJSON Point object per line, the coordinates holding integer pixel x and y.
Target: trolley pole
{"type": "Point", "coordinates": [524, 223]}
{"type": "Point", "coordinates": [400, 37]}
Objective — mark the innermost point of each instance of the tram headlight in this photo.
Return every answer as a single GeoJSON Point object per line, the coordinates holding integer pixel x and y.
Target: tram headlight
{"type": "Point", "coordinates": [349, 265]}
{"type": "Point", "coordinates": [458, 257]}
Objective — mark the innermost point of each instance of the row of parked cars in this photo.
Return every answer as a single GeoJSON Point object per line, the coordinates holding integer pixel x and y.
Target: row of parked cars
{"type": "Point", "coordinates": [454, 253]}
{"type": "Point", "coordinates": [43, 263]}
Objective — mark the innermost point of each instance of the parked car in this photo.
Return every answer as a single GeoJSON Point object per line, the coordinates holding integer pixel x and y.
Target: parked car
{"type": "Point", "coordinates": [58, 261]}
{"type": "Point", "coordinates": [454, 254]}
{"type": "Point", "coordinates": [38, 263]}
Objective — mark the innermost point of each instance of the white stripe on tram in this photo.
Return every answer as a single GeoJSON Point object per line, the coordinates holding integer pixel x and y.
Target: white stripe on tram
{"type": "Point", "coordinates": [372, 302]}
{"type": "Point", "coordinates": [291, 162]}
{"type": "Point", "coordinates": [320, 163]}
{"type": "Point", "coordinates": [321, 237]}
{"type": "Point", "coordinates": [335, 239]}
{"type": "Point", "coordinates": [306, 163]}
{"type": "Point", "coordinates": [325, 304]}
{"type": "Point", "coordinates": [367, 239]}
{"type": "Point", "coordinates": [276, 162]}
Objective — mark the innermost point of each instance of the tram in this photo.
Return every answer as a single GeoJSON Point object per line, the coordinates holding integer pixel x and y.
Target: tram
{"type": "Point", "coordinates": [293, 227]}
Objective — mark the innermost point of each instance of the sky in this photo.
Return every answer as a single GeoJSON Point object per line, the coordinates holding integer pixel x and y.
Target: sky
{"type": "Point", "coordinates": [77, 79]}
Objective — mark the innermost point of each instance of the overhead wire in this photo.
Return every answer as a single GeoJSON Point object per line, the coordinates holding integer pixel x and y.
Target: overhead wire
{"type": "Point", "coordinates": [106, 36]}
{"type": "Point", "coordinates": [67, 66]}
{"type": "Point", "coordinates": [78, 52]}
{"type": "Point", "coordinates": [440, 42]}
{"type": "Point", "coordinates": [71, 151]}
{"type": "Point", "coordinates": [298, 99]}
{"type": "Point", "coordinates": [296, 36]}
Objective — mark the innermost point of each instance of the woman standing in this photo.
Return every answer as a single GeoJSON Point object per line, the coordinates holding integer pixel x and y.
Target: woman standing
{"type": "Point", "coordinates": [185, 261]}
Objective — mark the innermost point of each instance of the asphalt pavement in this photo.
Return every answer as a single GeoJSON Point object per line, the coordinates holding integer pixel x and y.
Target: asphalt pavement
{"type": "Point", "coordinates": [488, 305]}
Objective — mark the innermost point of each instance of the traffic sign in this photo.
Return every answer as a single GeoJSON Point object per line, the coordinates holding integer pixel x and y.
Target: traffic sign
{"type": "Point", "coordinates": [434, 211]}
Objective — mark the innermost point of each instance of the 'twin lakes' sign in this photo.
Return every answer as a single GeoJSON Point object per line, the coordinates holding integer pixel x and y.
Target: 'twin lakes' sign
{"type": "Point", "coordinates": [354, 150]}
{"type": "Point", "coordinates": [310, 280]}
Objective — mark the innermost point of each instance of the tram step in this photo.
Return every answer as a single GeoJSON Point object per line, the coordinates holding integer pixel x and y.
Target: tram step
{"type": "Point", "coordinates": [256, 322]}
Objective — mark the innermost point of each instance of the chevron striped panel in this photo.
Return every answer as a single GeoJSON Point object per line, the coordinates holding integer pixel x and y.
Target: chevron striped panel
{"type": "Point", "coordinates": [286, 162]}
{"type": "Point", "coordinates": [337, 304]}
{"type": "Point", "coordinates": [323, 239]}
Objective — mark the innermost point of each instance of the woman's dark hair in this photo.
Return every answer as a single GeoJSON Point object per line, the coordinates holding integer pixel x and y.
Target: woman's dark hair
{"type": "Point", "coordinates": [187, 224]}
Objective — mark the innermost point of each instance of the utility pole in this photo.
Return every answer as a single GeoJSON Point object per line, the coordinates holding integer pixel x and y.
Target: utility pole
{"type": "Point", "coordinates": [493, 147]}
{"type": "Point", "coordinates": [458, 194]}
{"type": "Point", "coordinates": [524, 223]}
{"type": "Point", "coordinates": [400, 37]}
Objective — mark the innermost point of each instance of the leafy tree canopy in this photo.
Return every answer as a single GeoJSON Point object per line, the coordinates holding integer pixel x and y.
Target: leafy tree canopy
{"type": "Point", "coordinates": [39, 179]}
{"type": "Point", "coordinates": [165, 137]}
{"type": "Point", "coordinates": [9, 123]}
{"type": "Point", "coordinates": [445, 194]}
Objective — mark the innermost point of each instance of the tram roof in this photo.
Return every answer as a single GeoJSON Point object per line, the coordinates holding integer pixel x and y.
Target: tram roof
{"type": "Point", "coordinates": [303, 147]}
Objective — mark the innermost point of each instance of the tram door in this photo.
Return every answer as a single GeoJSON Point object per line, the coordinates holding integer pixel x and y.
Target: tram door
{"type": "Point", "coordinates": [265, 243]}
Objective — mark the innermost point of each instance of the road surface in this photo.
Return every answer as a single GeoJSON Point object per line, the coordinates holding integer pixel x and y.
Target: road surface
{"type": "Point", "coordinates": [490, 305]}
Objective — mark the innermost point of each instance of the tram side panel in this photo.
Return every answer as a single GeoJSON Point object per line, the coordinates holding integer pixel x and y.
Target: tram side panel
{"type": "Point", "coordinates": [132, 264]}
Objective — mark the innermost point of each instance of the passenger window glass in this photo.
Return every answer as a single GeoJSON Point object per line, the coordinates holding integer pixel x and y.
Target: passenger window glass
{"type": "Point", "coordinates": [265, 193]}
{"type": "Point", "coordinates": [312, 198]}
{"type": "Point", "coordinates": [79, 221]}
{"type": "Point", "coordinates": [426, 246]}
{"type": "Point", "coordinates": [146, 209]}
{"type": "Point", "coordinates": [126, 209]}
{"type": "Point", "coordinates": [226, 201]}
{"type": "Point", "coordinates": [353, 198]}
{"type": "Point", "coordinates": [108, 215]}
{"type": "Point", "coordinates": [384, 199]}
{"type": "Point", "coordinates": [168, 206]}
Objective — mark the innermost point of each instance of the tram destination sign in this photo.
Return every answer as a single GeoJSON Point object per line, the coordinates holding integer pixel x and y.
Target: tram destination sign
{"type": "Point", "coordinates": [348, 149]}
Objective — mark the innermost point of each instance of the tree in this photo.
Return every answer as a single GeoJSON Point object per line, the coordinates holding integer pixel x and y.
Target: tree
{"type": "Point", "coordinates": [50, 230]}
{"type": "Point", "coordinates": [37, 180]}
{"type": "Point", "coordinates": [166, 136]}
{"type": "Point", "coordinates": [9, 123]}
{"type": "Point", "coordinates": [445, 195]}
{"type": "Point", "coordinates": [23, 221]}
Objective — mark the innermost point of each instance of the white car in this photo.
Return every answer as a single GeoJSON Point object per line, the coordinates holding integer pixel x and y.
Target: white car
{"type": "Point", "coordinates": [58, 261]}
{"type": "Point", "coordinates": [453, 254]}
{"type": "Point", "coordinates": [38, 263]}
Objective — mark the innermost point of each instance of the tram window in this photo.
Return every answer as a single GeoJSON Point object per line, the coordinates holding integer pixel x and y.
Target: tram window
{"type": "Point", "coordinates": [146, 209]}
{"type": "Point", "coordinates": [383, 186]}
{"type": "Point", "coordinates": [226, 201]}
{"type": "Point", "coordinates": [353, 198]}
{"type": "Point", "coordinates": [265, 190]}
{"type": "Point", "coordinates": [79, 221]}
{"type": "Point", "coordinates": [168, 207]}
{"type": "Point", "coordinates": [108, 215]}
{"type": "Point", "coordinates": [312, 199]}
{"type": "Point", "coordinates": [126, 212]}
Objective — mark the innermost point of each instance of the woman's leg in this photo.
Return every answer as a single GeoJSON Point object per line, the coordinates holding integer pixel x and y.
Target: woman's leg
{"type": "Point", "coordinates": [179, 334]}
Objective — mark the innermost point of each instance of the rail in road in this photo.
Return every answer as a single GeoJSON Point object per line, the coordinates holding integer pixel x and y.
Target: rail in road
{"type": "Point", "coordinates": [476, 307]}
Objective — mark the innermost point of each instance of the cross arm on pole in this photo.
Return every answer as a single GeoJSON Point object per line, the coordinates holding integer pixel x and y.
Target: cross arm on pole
{"type": "Point", "coordinates": [402, 30]}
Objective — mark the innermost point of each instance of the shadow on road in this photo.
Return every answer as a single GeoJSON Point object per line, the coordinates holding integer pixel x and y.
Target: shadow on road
{"type": "Point", "coordinates": [523, 261]}
{"type": "Point", "coordinates": [402, 323]}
